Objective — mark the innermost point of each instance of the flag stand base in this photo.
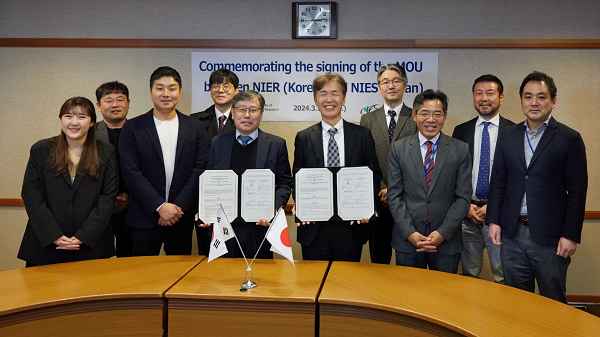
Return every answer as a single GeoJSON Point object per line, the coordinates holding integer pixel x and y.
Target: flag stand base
{"type": "Point", "coordinates": [249, 285]}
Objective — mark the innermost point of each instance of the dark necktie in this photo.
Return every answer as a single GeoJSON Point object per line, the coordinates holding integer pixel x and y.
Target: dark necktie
{"type": "Point", "coordinates": [392, 126]}
{"type": "Point", "coordinates": [333, 153]}
{"type": "Point", "coordinates": [245, 139]}
{"type": "Point", "coordinates": [483, 177]}
{"type": "Point", "coordinates": [221, 123]}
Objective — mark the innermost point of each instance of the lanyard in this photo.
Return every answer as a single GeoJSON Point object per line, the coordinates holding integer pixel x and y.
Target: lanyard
{"type": "Point", "coordinates": [528, 141]}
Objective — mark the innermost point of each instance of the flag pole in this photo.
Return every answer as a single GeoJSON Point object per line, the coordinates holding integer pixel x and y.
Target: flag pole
{"type": "Point", "coordinates": [248, 284]}
{"type": "Point", "coordinates": [263, 240]}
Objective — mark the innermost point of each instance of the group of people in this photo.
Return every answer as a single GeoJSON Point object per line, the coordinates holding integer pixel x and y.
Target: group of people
{"type": "Point", "coordinates": [515, 190]}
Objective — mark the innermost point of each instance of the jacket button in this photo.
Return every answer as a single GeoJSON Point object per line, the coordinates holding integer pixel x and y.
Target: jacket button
{"type": "Point", "coordinates": [526, 177]}
{"type": "Point", "coordinates": [69, 204]}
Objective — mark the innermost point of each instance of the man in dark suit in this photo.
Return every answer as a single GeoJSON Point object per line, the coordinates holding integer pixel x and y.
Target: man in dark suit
{"type": "Point", "coordinates": [481, 133]}
{"type": "Point", "coordinates": [314, 147]}
{"type": "Point", "coordinates": [248, 147]}
{"type": "Point", "coordinates": [112, 99]}
{"type": "Point", "coordinates": [161, 155]}
{"type": "Point", "coordinates": [537, 193]}
{"type": "Point", "coordinates": [223, 84]}
{"type": "Point", "coordinates": [429, 189]}
{"type": "Point", "coordinates": [389, 123]}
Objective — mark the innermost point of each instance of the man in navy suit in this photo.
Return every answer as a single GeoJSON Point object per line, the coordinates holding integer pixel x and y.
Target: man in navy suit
{"type": "Point", "coordinates": [481, 133]}
{"type": "Point", "coordinates": [334, 240]}
{"type": "Point", "coordinates": [537, 193]}
{"type": "Point", "coordinates": [248, 147]}
{"type": "Point", "coordinates": [162, 153]}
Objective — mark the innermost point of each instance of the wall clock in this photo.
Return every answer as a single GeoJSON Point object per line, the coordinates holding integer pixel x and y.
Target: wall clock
{"type": "Point", "coordinates": [314, 20]}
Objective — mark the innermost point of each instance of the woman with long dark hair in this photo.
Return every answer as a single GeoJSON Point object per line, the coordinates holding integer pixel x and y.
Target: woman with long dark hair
{"type": "Point", "coordinates": [69, 190]}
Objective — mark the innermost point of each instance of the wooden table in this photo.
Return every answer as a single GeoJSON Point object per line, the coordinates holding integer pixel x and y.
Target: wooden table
{"type": "Point", "coordinates": [208, 299]}
{"type": "Point", "coordinates": [360, 299]}
{"type": "Point", "coordinates": [108, 297]}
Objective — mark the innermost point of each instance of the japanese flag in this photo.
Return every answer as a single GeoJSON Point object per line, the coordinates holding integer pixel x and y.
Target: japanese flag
{"type": "Point", "coordinates": [279, 236]}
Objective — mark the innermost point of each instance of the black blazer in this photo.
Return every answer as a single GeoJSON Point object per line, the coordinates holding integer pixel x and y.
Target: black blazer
{"type": "Point", "coordinates": [359, 150]}
{"type": "Point", "coordinates": [271, 153]}
{"type": "Point", "coordinates": [212, 124]}
{"type": "Point", "coordinates": [466, 132]}
{"type": "Point", "coordinates": [556, 183]}
{"type": "Point", "coordinates": [57, 207]}
{"type": "Point", "coordinates": [143, 169]}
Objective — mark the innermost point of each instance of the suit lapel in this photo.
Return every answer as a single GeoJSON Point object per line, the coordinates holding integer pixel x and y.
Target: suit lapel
{"type": "Point", "coordinates": [316, 140]}
{"type": "Point", "coordinates": [262, 149]}
{"type": "Point", "coordinates": [403, 115]}
{"type": "Point", "coordinates": [546, 137]}
{"type": "Point", "coordinates": [349, 138]}
{"type": "Point", "coordinates": [440, 158]}
{"type": "Point", "coordinates": [382, 128]}
{"type": "Point", "coordinates": [148, 122]}
{"type": "Point", "coordinates": [78, 180]}
{"type": "Point", "coordinates": [521, 143]}
{"type": "Point", "coordinates": [415, 154]}
{"type": "Point", "coordinates": [181, 135]}
{"type": "Point", "coordinates": [470, 136]}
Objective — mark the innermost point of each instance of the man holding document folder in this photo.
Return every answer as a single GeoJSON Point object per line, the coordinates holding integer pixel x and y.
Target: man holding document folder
{"type": "Point", "coordinates": [334, 142]}
{"type": "Point", "coordinates": [248, 147]}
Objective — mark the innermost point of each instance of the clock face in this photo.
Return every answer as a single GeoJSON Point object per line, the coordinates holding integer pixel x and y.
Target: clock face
{"type": "Point", "coordinates": [314, 20]}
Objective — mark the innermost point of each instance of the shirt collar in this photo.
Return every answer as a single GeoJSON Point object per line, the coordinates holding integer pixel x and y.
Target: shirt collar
{"type": "Point", "coordinates": [253, 135]}
{"type": "Point", "coordinates": [339, 126]}
{"type": "Point", "coordinates": [422, 138]}
{"type": "Point", "coordinates": [219, 114]}
{"type": "Point", "coordinates": [495, 120]}
{"type": "Point", "coordinates": [396, 109]}
{"type": "Point", "coordinates": [541, 128]}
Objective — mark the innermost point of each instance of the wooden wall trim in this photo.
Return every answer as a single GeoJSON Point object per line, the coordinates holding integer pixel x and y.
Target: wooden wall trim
{"type": "Point", "coordinates": [11, 202]}
{"type": "Point", "coordinates": [288, 208]}
{"type": "Point", "coordinates": [302, 44]}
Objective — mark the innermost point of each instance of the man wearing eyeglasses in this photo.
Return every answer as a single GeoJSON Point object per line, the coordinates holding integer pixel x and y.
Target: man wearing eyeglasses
{"type": "Point", "coordinates": [481, 133]}
{"type": "Point", "coordinates": [248, 147]}
{"type": "Point", "coordinates": [389, 123]}
{"type": "Point", "coordinates": [223, 85]}
{"type": "Point", "coordinates": [217, 118]}
{"type": "Point", "coordinates": [429, 189]}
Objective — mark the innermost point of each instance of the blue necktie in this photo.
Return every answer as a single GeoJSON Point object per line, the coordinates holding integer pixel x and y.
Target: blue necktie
{"type": "Point", "coordinates": [483, 177]}
{"type": "Point", "coordinates": [392, 126]}
{"type": "Point", "coordinates": [245, 139]}
{"type": "Point", "coordinates": [333, 153]}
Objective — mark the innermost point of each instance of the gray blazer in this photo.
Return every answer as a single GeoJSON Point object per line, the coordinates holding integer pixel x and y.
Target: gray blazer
{"type": "Point", "coordinates": [376, 122]}
{"type": "Point", "coordinates": [447, 200]}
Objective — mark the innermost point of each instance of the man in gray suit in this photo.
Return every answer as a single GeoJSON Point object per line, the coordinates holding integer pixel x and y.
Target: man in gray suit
{"type": "Point", "coordinates": [429, 189]}
{"type": "Point", "coordinates": [389, 123]}
{"type": "Point", "coordinates": [113, 102]}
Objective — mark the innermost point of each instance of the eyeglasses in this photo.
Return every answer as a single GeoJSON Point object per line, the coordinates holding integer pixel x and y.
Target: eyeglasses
{"type": "Point", "coordinates": [226, 87]}
{"type": "Point", "coordinates": [386, 83]}
{"type": "Point", "coordinates": [435, 115]}
{"type": "Point", "coordinates": [245, 110]}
